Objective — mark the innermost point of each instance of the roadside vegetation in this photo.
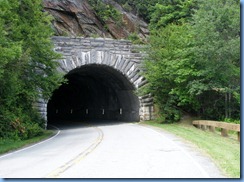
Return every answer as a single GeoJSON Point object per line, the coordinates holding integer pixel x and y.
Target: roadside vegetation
{"type": "Point", "coordinates": [225, 151]}
{"type": "Point", "coordinates": [194, 60]}
{"type": "Point", "coordinates": [27, 69]}
{"type": "Point", "coordinates": [7, 144]}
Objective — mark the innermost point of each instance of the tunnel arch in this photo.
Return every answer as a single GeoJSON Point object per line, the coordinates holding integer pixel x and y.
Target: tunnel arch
{"type": "Point", "coordinates": [94, 92]}
{"type": "Point", "coordinates": [119, 58]}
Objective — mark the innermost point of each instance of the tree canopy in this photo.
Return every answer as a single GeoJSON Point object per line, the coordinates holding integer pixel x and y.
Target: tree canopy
{"type": "Point", "coordinates": [194, 59]}
{"type": "Point", "coordinates": [26, 66]}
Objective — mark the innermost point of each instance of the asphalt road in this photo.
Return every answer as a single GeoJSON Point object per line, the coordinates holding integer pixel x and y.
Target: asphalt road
{"type": "Point", "coordinates": [118, 150]}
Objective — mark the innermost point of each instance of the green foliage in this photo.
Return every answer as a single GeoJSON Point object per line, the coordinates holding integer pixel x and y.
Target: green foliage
{"type": "Point", "coordinates": [127, 7]}
{"type": "Point", "coordinates": [140, 7]}
{"type": "Point", "coordinates": [135, 39]}
{"type": "Point", "coordinates": [165, 11]}
{"type": "Point", "coordinates": [229, 120]}
{"type": "Point", "coordinates": [10, 144]}
{"type": "Point", "coordinates": [27, 68]}
{"type": "Point", "coordinates": [194, 59]}
{"type": "Point", "coordinates": [106, 11]}
{"type": "Point", "coordinates": [216, 32]}
{"type": "Point", "coordinates": [20, 128]}
{"type": "Point", "coordinates": [171, 12]}
{"type": "Point", "coordinates": [169, 69]}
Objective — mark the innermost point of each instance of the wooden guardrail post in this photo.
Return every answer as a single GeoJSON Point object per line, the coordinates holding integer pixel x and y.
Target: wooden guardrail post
{"type": "Point", "coordinates": [212, 128]}
{"type": "Point", "coordinates": [224, 132]}
{"type": "Point", "coordinates": [204, 127]}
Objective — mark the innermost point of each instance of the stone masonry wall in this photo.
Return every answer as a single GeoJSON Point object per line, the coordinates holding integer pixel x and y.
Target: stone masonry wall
{"type": "Point", "coordinates": [118, 54]}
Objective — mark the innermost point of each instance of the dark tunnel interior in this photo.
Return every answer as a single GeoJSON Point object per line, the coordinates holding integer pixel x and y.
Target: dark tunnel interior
{"type": "Point", "coordinates": [94, 93]}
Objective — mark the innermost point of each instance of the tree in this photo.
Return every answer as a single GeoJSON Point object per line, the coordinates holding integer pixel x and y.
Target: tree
{"type": "Point", "coordinates": [216, 31]}
{"type": "Point", "coordinates": [142, 8]}
{"type": "Point", "coordinates": [194, 60]}
{"type": "Point", "coordinates": [168, 70]}
{"type": "Point", "coordinates": [170, 11]}
{"type": "Point", "coordinates": [26, 65]}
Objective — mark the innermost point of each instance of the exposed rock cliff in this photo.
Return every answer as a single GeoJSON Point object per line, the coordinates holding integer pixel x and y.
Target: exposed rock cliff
{"type": "Point", "coordinates": [78, 18]}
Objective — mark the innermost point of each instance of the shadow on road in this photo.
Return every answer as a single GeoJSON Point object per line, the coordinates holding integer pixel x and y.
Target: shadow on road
{"type": "Point", "coordinates": [66, 124]}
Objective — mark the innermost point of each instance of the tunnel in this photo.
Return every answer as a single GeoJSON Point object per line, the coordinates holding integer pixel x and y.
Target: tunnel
{"type": "Point", "coordinates": [94, 93]}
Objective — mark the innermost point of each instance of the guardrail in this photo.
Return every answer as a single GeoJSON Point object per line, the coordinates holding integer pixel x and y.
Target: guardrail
{"type": "Point", "coordinates": [211, 125]}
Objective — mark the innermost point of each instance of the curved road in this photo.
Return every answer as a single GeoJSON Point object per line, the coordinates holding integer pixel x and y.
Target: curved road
{"type": "Point", "coordinates": [118, 150]}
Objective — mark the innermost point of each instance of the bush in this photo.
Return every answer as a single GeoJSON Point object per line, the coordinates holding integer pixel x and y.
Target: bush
{"type": "Point", "coordinates": [106, 11]}
{"type": "Point", "coordinates": [127, 7]}
{"type": "Point", "coordinates": [135, 39]}
{"type": "Point", "coordinates": [19, 125]}
{"type": "Point", "coordinates": [229, 120]}
{"type": "Point", "coordinates": [33, 130]}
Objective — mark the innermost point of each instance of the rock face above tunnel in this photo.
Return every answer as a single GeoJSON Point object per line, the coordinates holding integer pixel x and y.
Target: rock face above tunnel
{"type": "Point", "coordinates": [78, 18]}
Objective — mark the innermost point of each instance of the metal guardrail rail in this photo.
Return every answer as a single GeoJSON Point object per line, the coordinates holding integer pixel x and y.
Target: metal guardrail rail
{"type": "Point", "coordinates": [211, 125]}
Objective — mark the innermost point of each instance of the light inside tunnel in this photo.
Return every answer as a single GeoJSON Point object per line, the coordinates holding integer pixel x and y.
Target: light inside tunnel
{"type": "Point", "coordinates": [94, 92]}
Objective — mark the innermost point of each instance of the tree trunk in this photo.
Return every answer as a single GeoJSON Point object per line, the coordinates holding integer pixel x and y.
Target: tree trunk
{"type": "Point", "coordinates": [229, 105]}
{"type": "Point", "coordinates": [226, 105]}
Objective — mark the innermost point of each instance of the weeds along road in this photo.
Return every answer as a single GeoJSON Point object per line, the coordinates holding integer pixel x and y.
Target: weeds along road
{"type": "Point", "coordinates": [118, 150]}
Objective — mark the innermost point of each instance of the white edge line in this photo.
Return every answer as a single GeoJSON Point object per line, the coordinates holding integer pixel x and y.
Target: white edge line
{"type": "Point", "coordinates": [17, 151]}
{"type": "Point", "coordinates": [187, 154]}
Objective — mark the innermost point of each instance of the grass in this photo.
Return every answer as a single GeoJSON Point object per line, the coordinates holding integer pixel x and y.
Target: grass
{"type": "Point", "coordinates": [225, 151]}
{"type": "Point", "coordinates": [7, 145]}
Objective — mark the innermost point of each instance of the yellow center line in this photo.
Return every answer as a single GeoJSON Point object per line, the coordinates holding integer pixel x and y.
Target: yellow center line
{"type": "Point", "coordinates": [57, 172]}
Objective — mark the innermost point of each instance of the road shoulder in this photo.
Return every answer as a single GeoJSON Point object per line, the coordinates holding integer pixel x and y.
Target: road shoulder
{"type": "Point", "coordinates": [197, 154]}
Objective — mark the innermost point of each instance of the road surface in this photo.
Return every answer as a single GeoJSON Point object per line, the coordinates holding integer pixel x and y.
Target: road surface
{"type": "Point", "coordinates": [118, 150]}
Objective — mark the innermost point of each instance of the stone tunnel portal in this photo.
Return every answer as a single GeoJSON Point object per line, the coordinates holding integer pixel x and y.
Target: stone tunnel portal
{"type": "Point", "coordinates": [94, 92]}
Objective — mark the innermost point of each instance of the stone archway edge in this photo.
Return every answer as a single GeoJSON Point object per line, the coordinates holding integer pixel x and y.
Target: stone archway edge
{"type": "Point", "coordinates": [122, 55]}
